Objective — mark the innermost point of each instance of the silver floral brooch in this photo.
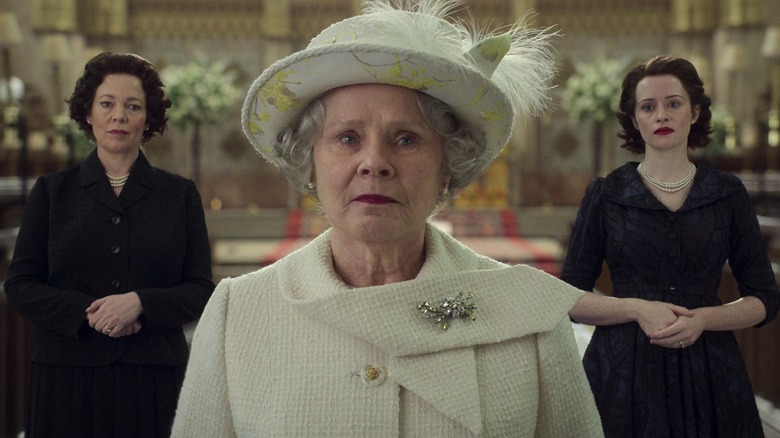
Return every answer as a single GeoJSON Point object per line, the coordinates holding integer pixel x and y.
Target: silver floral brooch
{"type": "Point", "coordinates": [450, 307]}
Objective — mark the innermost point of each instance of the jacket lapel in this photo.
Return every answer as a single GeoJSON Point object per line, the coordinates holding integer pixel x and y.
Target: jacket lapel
{"type": "Point", "coordinates": [438, 366]}
{"type": "Point", "coordinates": [141, 182]}
{"type": "Point", "coordinates": [93, 180]}
{"type": "Point", "coordinates": [511, 303]}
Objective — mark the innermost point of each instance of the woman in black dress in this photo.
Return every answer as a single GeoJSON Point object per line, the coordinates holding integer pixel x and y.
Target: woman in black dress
{"type": "Point", "coordinates": [111, 259]}
{"type": "Point", "coordinates": [665, 228]}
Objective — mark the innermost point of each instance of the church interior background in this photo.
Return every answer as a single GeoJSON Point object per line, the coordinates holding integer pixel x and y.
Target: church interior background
{"type": "Point", "coordinates": [519, 211]}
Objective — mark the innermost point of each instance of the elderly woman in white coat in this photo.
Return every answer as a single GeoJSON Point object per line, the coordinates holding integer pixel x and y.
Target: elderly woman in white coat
{"type": "Point", "coordinates": [384, 325]}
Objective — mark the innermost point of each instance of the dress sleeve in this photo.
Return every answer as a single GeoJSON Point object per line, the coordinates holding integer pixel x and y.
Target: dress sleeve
{"type": "Point", "coordinates": [585, 254]}
{"type": "Point", "coordinates": [566, 405]}
{"type": "Point", "coordinates": [748, 257]}
{"type": "Point", "coordinates": [204, 406]}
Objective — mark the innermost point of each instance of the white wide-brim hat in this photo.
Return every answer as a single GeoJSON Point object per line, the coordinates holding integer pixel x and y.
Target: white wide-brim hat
{"type": "Point", "coordinates": [487, 79]}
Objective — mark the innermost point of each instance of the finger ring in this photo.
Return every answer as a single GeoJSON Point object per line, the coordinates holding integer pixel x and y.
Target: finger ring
{"type": "Point", "coordinates": [681, 344]}
{"type": "Point", "coordinates": [109, 331]}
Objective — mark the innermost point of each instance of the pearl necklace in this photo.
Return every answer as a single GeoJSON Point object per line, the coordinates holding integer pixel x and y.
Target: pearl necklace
{"type": "Point", "coordinates": [117, 181]}
{"type": "Point", "coordinates": [668, 187]}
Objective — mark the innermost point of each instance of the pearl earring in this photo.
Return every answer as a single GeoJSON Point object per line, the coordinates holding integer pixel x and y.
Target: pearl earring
{"type": "Point", "coordinates": [311, 186]}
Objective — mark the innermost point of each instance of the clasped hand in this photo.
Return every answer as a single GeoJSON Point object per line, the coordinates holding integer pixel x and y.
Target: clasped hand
{"type": "Point", "coordinates": [668, 325]}
{"type": "Point", "coordinates": [115, 315]}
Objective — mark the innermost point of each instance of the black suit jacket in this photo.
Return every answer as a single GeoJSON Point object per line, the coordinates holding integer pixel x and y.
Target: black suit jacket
{"type": "Point", "coordinates": [78, 242]}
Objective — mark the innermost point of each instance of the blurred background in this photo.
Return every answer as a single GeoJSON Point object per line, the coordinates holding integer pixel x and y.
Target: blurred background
{"type": "Point", "coordinates": [520, 211]}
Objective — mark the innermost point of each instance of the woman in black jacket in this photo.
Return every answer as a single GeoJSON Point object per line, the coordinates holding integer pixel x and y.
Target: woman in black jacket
{"type": "Point", "coordinates": [111, 259]}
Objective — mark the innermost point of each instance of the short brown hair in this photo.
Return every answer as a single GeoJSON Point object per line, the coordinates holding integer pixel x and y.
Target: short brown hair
{"type": "Point", "coordinates": [107, 63]}
{"type": "Point", "coordinates": [664, 65]}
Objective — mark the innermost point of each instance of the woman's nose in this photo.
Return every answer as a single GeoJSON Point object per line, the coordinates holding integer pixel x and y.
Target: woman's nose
{"type": "Point", "coordinates": [119, 115]}
{"type": "Point", "coordinates": [374, 160]}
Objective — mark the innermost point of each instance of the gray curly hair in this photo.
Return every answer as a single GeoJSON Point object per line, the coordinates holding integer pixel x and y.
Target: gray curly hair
{"type": "Point", "coordinates": [464, 145]}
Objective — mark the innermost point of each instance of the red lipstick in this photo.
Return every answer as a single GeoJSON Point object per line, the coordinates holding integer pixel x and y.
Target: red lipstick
{"type": "Point", "coordinates": [663, 131]}
{"type": "Point", "coordinates": [375, 199]}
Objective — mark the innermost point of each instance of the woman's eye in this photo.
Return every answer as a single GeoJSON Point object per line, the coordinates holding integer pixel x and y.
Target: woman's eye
{"type": "Point", "coordinates": [348, 139]}
{"type": "Point", "coordinates": [105, 104]}
{"type": "Point", "coordinates": [406, 141]}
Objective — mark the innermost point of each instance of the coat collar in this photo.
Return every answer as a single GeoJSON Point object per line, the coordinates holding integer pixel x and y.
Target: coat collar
{"type": "Point", "coordinates": [142, 180]}
{"type": "Point", "coordinates": [624, 186]}
{"type": "Point", "coordinates": [512, 302]}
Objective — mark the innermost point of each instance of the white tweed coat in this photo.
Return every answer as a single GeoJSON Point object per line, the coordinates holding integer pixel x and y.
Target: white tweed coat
{"type": "Point", "coordinates": [291, 351]}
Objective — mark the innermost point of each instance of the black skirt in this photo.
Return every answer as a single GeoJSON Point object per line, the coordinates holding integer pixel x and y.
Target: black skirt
{"type": "Point", "coordinates": [119, 400]}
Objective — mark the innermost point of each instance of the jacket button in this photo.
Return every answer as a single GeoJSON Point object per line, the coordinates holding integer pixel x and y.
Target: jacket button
{"type": "Point", "coordinates": [116, 220]}
{"type": "Point", "coordinates": [372, 375]}
{"type": "Point", "coordinates": [115, 284]}
{"type": "Point", "coordinates": [115, 249]}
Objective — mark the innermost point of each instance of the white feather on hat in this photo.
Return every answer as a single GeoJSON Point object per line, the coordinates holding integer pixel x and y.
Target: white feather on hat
{"type": "Point", "coordinates": [487, 78]}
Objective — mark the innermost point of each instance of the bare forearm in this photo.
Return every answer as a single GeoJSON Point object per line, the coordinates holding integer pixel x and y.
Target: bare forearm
{"type": "Point", "coordinates": [651, 316]}
{"type": "Point", "coordinates": [600, 310]}
{"type": "Point", "coordinates": [742, 313]}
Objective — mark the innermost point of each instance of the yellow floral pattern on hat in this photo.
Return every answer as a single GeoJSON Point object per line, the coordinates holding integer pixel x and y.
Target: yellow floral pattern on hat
{"type": "Point", "coordinates": [275, 93]}
{"type": "Point", "coordinates": [486, 76]}
{"type": "Point", "coordinates": [403, 74]}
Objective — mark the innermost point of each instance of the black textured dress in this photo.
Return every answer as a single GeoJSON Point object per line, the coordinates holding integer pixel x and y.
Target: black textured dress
{"type": "Point", "coordinates": [653, 253]}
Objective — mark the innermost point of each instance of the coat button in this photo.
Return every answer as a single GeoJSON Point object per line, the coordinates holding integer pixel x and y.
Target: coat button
{"type": "Point", "coordinates": [372, 375]}
{"type": "Point", "coordinates": [116, 220]}
{"type": "Point", "coordinates": [115, 284]}
{"type": "Point", "coordinates": [115, 249]}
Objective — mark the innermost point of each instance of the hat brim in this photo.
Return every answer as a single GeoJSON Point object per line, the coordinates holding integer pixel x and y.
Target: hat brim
{"type": "Point", "coordinates": [276, 98]}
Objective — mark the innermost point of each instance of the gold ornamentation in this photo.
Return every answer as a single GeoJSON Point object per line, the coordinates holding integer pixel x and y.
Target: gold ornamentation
{"type": "Point", "coordinates": [372, 375]}
{"type": "Point", "coordinates": [449, 308]}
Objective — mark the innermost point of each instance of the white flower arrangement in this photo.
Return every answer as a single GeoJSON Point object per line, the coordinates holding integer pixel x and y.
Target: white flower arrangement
{"type": "Point", "coordinates": [200, 92]}
{"type": "Point", "coordinates": [592, 93]}
{"type": "Point", "coordinates": [722, 126]}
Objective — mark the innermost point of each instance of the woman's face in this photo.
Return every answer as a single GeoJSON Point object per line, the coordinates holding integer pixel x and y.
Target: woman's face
{"type": "Point", "coordinates": [663, 112]}
{"type": "Point", "coordinates": [377, 163]}
{"type": "Point", "coordinates": [118, 113]}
